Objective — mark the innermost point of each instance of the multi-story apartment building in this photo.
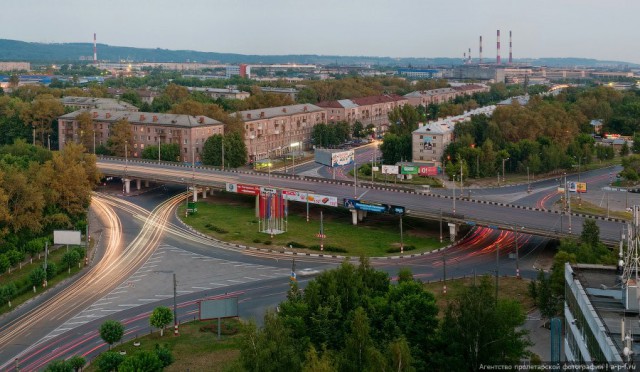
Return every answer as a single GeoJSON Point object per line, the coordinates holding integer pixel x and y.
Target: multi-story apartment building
{"type": "Point", "coordinates": [149, 129]}
{"type": "Point", "coordinates": [429, 141]}
{"type": "Point", "coordinates": [280, 130]}
{"type": "Point", "coordinates": [15, 66]}
{"type": "Point", "coordinates": [443, 95]}
{"type": "Point", "coordinates": [87, 103]}
{"type": "Point", "coordinates": [216, 93]}
{"type": "Point", "coordinates": [367, 110]}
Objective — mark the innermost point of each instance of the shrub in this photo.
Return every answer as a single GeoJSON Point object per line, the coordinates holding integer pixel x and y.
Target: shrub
{"type": "Point", "coordinates": [267, 242]}
{"type": "Point", "coordinates": [397, 249]}
{"type": "Point", "coordinates": [256, 240]}
{"type": "Point", "coordinates": [215, 228]}
{"type": "Point", "coordinates": [295, 245]}
{"type": "Point", "coordinates": [329, 248]}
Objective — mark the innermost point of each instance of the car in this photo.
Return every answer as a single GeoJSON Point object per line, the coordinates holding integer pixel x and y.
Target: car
{"type": "Point", "coordinates": [308, 272]}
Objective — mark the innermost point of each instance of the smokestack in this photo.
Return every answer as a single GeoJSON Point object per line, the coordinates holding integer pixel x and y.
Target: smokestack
{"type": "Point", "coordinates": [95, 50]}
{"type": "Point", "coordinates": [510, 47]}
{"type": "Point", "coordinates": [464, 57]}
{"type": "Point", "coordinates": [480, 54]}
{"type": "Point", "coordinates": [469, 55]}
{"type": "Point", "coordinates": [498, 49]}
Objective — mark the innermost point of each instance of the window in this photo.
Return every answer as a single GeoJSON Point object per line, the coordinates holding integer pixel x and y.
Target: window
{"type": "Point", "coordinates": [142, 145]}
{"type": "Point", "coordinates": [185, 150]}
{"type": "Point", "coordinates": [186, 141]}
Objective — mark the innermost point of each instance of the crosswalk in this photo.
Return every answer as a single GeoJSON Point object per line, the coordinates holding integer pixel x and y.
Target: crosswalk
{"type": "Point", "coordinates": [153, 282]}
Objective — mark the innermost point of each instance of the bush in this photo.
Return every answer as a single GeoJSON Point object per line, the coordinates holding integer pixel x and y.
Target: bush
{"type": "Point", "coordinates": [397, 249]}
{"type": "Point", "coordinates": [15, 257]}
{"type": "Point", "coordinates": [52, 270]}
{"type": "Point", "coordinates": [109, 361]}
{"type": "Point", "coordinates": [296, 245]}
{"type": "Point", "coordinates": [256, 240]}
{"type": "Point", "coordinates": [267, 242]}
{"type": "Point", "coordinates": [5, 264]}
{"type": "Point", "coordinates": [215, 228]}
{"type": "Point", "coordinates": [164, 354]}
{"type": "Point", "coordinates": [329, 248]}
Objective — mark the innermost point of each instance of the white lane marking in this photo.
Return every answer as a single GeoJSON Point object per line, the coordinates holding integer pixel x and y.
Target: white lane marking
{"type": "Point", "coordinates": [235, 281]}
{"type": "Point", "coordinates": [200, 287]}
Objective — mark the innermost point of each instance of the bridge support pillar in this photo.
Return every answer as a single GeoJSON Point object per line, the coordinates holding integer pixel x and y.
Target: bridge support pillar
{"type": "Point", "coordinates": [146, 183]}
{"type": "Point", "coordinates": [138, 184]}
{"type": "Point", "coordinates": [204, 193]}
{"type": "Point", "coordinates": [453, 231]}
{"type": "Point", "coordinates": [126, 187]}
{"type": "Point", "coordinates": [354, 217]}
{"type": "Point", "coordinates": [361, 216]}
{"type": "Point", "coordinates": [195, 193]}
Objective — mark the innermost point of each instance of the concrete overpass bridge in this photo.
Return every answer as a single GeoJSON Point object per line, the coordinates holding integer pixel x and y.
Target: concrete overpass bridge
{"type": "Point", "coordinates": [434, 207]}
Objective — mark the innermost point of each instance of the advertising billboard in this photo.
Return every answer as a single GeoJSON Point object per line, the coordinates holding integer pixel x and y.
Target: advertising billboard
{"type": "Point", "coordinates": [426, 171]}
{"type": "Point", "coordinates": [342, 158]}
{"type": "Point", "coordinates": [390, 169]}
{"type": "Point", "coordinates": [241, 188]}
{"type": "Point", "coordinates": [409, 169]}
{"type": "Point", "coordinates": [372, 207]}
{"type": "Point", "coordinates": [303, 197]}
{"type": "Point", "coordinates": [218, 308]}
{"type": "Point", "coordinates": [66, 237]}
{"type": "Point", "coordinates": [579, 187]}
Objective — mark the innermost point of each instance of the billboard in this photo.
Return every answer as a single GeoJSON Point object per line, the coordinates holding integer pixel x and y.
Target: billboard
{"type": "Point", "coordinates": [342, 158]}
{"type": "Point", "coordinates": [428, 171]}
{"type": "Point", "coordinates": [409, 169]}
{"type": "Point", "coordinates": [304, 197]}
{"type": "Point", "coordinates": [218, 308]}
{"type": "Point", "coordinates": [66, 237]}
{"type": "Point", "coordinates": [372, 207]}
{"type": "Point", "coordinates": [390, 169]}
{"type": "Point", "coordinates": [241, 188]}
{"type": "Point", "coordinates": [579, 187]}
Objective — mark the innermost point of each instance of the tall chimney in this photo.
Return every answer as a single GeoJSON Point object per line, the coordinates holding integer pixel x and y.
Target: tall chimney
{"type": "Point", "coordinates": [469, 55]}
{"type": "Point", "coordinates": [510, 48]}
{"type": "Point", "coordinates": [498, 49]}
{"type": "Point", "coordinates": [464, 57]}
{"type": "Point", "coordinates": [480, 54]}
{"type": "Point", "coordinates": [95, 50]}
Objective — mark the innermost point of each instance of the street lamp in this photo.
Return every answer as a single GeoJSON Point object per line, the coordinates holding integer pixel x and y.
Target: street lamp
{"type": "Point", "coordinates": [503, 178]}
{"type": "Point", "coordinates": [293, 156]}
{"type": "Point", "coordinates": [454, 193]}
{"type": "Point", "coordinates": [175, 291]}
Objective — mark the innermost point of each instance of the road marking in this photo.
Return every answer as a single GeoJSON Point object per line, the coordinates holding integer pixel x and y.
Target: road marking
{"type": "Point", "coordinates": [269, 276]}
{"type": "Point", "coordinates": [148, 266]}
{"type": "Point", "coordinates": [101, 304]}
{"type": "Point", "coordinates": [219, 285]}
{"type": "Point", "coordinates": [147, 299]}
{"type": "Point", "coordinates": [112, 293]}
{"type": "Point", "coordinates": [134, 280]}
{"type": "Point", "coordinates": [76, 322]}
{"type": "Point", "coordinates": [235, 281]}
{"type": "Point", "coordinates": [250, 278]}
{"type": "Point", "coordinates": [200, 287]}
{"type": "Point", "coordinates": [108, 310]}
{"type": "Point", "coordinates": [184, 291]}
{"type": "Point", "coordinates": [128, 305]}
{"type": "Point", "coordinates": [164, 295]}
{"type": "Point", "coordinates": [139, 276]}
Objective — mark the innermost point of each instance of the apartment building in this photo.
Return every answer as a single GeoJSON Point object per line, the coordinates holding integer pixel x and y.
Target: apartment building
{"type": "Point", "coordinates": [87, 103]}
{"type": "Point", "coordinates": [443, 95]}
{"type": "Point", "coordinates": [367, 110]}
{"type": "Point", "coordinates": [280, 130]}
{"type": "Point", "coordinates": [226, 93]}
{"type": "Point", "coordinates": [149, 129]}
{"type": "Point", "coordinates": [15, 66]}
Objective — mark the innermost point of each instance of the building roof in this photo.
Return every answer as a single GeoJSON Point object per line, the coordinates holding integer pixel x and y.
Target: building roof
{"type": "Point", "coordinates": [384, 98]}
{"type": "Point", "coordinates": [98, 103]}
{"type": "Point", "coordinates": [215, 90]}
{"type": "Point", "coordinates": [273, 112]}
{"type": "Point", "coordinates": [430, 93]}
{"type": "Point", "coordinates": [522, 101]}
{"type": "Point", "coordinates": [447, 124]}
{"type": "Point", "coordinates": [596, 122]}
{"type": "Point", "coordinates": [146, 118]}
{"type": "Point", "coordinates": [341, 103]}
{"type": "Point", "coordinates": [435, 128]}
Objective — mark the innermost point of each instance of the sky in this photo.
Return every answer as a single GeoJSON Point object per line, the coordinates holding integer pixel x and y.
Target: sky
{"type": "Point", "coordinates": [605, 30]}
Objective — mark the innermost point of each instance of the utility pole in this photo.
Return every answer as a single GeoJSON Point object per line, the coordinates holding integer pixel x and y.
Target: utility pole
{"type": "Point", "coordinates": [46, 253]}
{"type": "Point", "coordinates": [175, 305]}
{"type": "Point", "coordinates": [401, 237]}
{"type": "Point", "coordinates": [497, 269]}
{"type": "Point", "coordinates": [444, 272]}
{"type": "Point", "coordinates": [158, 148]}
{"type": "Point", "coordinates": [461, 185]}
{"type": "Point", "coordinates": [528, 181]}
{"type": "Point", "coordinates": [355, 174]}
{"type": "Point", "coordinates": [515, 229]}
{"type": "Point", "coordinates": [223, 159]}
{"type": "Point", "coordinates": [454, 194]}
{"type": "Point", "coordinates": [503, 174]}
{"type": "Point", "coordinates": [440, 225]}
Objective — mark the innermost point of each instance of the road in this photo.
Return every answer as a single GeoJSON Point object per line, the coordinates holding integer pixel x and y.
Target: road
{"type": "Point", "coordinates": [206, 268]}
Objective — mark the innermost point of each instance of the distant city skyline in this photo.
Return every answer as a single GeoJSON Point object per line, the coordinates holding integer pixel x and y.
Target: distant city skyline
{"type": "Point", "coordinates": [385, 28]}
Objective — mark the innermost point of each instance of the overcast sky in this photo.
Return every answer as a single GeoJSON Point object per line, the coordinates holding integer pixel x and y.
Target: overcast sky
{"type": "Point", "coordinates": [396, 28]}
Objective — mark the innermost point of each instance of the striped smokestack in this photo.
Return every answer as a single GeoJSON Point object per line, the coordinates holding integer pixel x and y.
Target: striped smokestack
{"type": "Point", "coordinates": [469, 55]}
{"type": "Point", "coordinates": [95, 50]}
{"type": "Point", "coordinates": [510, 48]}
{"type": "Point", "coordinates": [480, 52]}
{"type": "Point", "coordinates": [498, 49]}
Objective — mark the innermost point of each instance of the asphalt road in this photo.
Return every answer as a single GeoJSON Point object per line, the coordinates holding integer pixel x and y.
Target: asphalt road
{"type": "Point", "coordinates": [205, 269]}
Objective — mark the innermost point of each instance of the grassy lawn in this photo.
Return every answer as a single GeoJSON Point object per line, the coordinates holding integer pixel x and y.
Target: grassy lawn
{"type": "Point", "coordinates": [21, 277]}
{"type": "Point", "coordinates": [194, 349]}
{"type": "Point", "coordinates": [509, 287]}
{"type": "Point", "coordinates": [231, 218]}
{"type": "Point", "coordinates": [590, 208]}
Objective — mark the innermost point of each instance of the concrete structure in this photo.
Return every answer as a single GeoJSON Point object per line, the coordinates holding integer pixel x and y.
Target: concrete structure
{"type": "Point", "coordinates": [442, 95]}
{"type": "Point", "coordinates": [596, 321]}
{"type": "Point", "coordinates": [272, 131]}
{"type": "Point", "coordinates": [420, 73]}
{"type": "Point", "coordinates": [15, 66]}
{"type": "Point", "coordinates": [149, 129]}
{"type": "Point", "coordinates": [291, 92]}
{"type": "Point", "coordinates": [429, 141]}
{"type": "Point", "coordinates": [232, 71]}
{"type": "Point", "coordinates": [86, 103]}
{"type": "Point", "coordinates": [477, 72]}
{"type": "Point", "coordinates": [216, 93]}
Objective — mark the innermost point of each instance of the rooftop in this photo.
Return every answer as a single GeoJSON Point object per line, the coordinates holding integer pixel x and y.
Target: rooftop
{"type": "Point", "coordinates": [274, 112]}
{"type": "Point", "coordinates": [98, 103]}
{"type": "Point", "coordinates": [146, 118]}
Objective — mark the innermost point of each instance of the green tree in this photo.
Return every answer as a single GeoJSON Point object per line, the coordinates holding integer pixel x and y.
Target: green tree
{"type": "Point", "coordinates": [164, 354]}
{"type": "Point", "coordinates": [635, 148]}
{"type": "Point", "coordinates": [168, 152]}
{"type": "Point", "coordinates": [160, 318]}
{"type": "Point", "coordinates": [52, 270]}
{"type": "Point", "coordinates": [212, 151]}
{"type": "Point", "coordinates": [359, 346]}
{"type": "Point", "coordinates": [86, 127]}
{"type": "Point", "coordinates": [77, 362]}
{"type": "Point", "coordinates": [546, 301]}
{"type": "Point", "coordinates": [358, 130]}
{"type": "Point", "coordinates": [590, 233]}
{"type": "Point", "coordinates": [59, 366]}
{"type": "Point", "coordinates": [111, 331]}
{"type": "Point", "coordinates": [477, 330]}
{"type": "Point", "coordinates": [235, 151]}
{"type": "Point", "coordinates": [70, 258]}
{"type": "Point", "coordinates": [315, 363]}
{"type": "Point", "coordinates": [5, 264]}
{"type": "Point", "coordinates": [142, 361]}
{"type": "Point", "coordinates": [120, 138]}
{"type": "Point", "coordinates": [400, 355]}
{"type": "Point", "coordinates": [36, 277]}
{"type": "Point", "coordinates": [7, 292]}
{"type": "Point", "coordinates": [624, 150]}
{"type": "Point", "coordinates": [109, 361]}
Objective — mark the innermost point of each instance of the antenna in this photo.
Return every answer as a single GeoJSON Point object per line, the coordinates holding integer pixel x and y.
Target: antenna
{"type": "Point", "coordinates": [631, 258]}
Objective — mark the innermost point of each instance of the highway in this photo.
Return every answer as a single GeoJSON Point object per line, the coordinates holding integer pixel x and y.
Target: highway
{"type": "Point", "coordinates": [505, 216]}
{"type": "Point", "coordinates": [200, 263]}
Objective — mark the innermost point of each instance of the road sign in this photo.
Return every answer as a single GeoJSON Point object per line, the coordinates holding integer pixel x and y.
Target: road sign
{"type": "Point", "coordinates": [321, 236]}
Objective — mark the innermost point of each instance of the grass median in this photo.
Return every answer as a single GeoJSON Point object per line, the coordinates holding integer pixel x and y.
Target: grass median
{"type": "Point", "coordinates": [231, 217]}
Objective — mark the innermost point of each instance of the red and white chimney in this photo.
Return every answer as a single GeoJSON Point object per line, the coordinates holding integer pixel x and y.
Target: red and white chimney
{"type": "Point", "coordinates": [95, 50]}
{"type": "Point", "coordinates": [510, 49]}
{"type": "Point", "coordinates": [498, 49]}
{"type": "Point", "coordinates": [480, 52]}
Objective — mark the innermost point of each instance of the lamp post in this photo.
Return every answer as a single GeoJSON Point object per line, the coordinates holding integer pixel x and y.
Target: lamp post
{"type": "Point", "coordinates": [293, 157]}
{"type": "Point", "coordinates": [158, 148]}
{"type": "Point", "coordinates": [528, 181]}
{"type": "Point", "coordinates": [503, 177]}
{"type": "Point", "coordinates": [355, 175]}
{"type": "Point", "coordinates": [49, 144]}
{"type": "Point", "coordinates": [223, 153]}
{"type": "Point", "coordinates": [175, 292]}
{"type": "Point", "coordinates": [454, 193]}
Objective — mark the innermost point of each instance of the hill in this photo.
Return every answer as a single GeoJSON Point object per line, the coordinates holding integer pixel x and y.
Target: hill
{"type": "Point", "coordinates": [14, 50]}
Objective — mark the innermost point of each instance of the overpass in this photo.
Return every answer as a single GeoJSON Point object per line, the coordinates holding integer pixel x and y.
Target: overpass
{"type": "Point", "coordinates": [434, 207]}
